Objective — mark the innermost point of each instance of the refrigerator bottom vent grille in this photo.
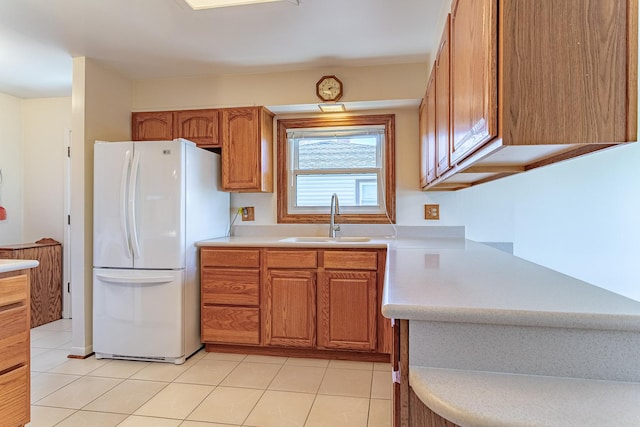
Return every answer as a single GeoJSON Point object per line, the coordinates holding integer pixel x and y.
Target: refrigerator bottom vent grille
{"type": "Point", "coordinates": [124, 356]}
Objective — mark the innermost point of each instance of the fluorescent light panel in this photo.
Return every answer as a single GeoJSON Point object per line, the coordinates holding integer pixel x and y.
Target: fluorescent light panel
{"type": "Point", "coordinates": [210, 4]}
{"type": "Point", "coordinates": [332, 108]}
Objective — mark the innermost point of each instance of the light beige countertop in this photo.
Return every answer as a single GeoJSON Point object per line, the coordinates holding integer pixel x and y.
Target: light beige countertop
{"type": "Point", "coordinates": [489, 399]}
{"type": "Point", "coordinates": [7, 265]}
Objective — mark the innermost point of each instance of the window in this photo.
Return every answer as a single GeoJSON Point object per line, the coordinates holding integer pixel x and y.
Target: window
{"type": "Point", "coordinates": [350, 156]}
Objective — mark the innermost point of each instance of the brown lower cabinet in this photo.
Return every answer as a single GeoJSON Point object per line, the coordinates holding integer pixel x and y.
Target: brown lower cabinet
{"type": "Point", "coordinates": [295, 301]}
{"type": "Point", "coordinates": [14, 349]}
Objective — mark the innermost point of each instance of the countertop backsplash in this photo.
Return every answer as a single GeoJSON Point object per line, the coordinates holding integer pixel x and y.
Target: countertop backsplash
{"type": "Point", "coordinates": [369, 230]}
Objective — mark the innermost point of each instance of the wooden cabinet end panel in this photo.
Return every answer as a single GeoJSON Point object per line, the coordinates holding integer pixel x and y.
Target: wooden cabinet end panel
{"type": "Point", "coordinates": [231, 325]}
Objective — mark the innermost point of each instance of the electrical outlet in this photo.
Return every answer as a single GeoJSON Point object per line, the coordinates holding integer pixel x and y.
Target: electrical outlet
{"type": "Point", "coordinates": [431, 212]}
{"type": "Point", "coordinates": [248, 213]}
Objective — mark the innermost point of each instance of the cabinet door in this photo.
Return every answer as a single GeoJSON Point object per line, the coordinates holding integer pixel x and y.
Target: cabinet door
{"type": "Point", "coordinates": [473, 75]}
{"type": "Point", "coordinates": [443, 103]}
{"type": "Point", "coordinates": [347, 310]}
{"type": "Point", "coordinates": [152, 126]}
{"type": "Point", "coordinates": [240, 149]}
{"type": "Point", "coordinates": [290, 311]}
{"type": "Point", "coordinates": [199, 126]}
{"type": "Point", "coordinates": [428, 133]}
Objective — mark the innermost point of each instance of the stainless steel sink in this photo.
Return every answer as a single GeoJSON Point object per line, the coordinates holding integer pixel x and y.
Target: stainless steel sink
{"type": "Point", "coordinates": [326, 239]}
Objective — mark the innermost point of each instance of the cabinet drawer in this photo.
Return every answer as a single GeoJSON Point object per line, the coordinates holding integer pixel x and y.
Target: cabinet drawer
{"type": "Point", "coordinates": [14, 337]}
{"type": "Point", "coordinates": [292, 259]}
{"type": "Point", "coordinates": [13, 290]}
{"type": "Point", "coordinates": [230, 286]}
{"type": "Point", "coordinates": [351, 260]}
{"type": "Point", "coordinates": [14, 397]}
{"type": "Point", "coordinates": [231, 325]}
{"type": "Point", "coordinates": [230, 258]}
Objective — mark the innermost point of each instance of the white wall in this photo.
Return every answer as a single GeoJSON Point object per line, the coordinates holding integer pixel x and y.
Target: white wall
{"type": "Point", "coordinates": [45, 122]}
{"type": "Point", "coordinates": [373, 83]}
{"type": "Point", "coordinates": [11, 166]}
{"type": "Point", "coordinates": [580, 217]}
{"type": "Point", "coordinates": [101, 109]}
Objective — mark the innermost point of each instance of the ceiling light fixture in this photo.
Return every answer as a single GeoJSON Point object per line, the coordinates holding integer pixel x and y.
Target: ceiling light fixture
{"type": "Point", "coordinates": [210, 4]}
{"type": "Point", "coordinates": [334, 107]}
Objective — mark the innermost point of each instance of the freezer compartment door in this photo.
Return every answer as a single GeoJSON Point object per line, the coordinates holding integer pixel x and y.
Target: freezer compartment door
{"type": "Point", "coordinates": [111, 243]}
{"type": "Point", "coordinates": [138, 314]}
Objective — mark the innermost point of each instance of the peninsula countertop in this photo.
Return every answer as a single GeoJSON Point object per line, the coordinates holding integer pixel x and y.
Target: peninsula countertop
{"type": "Point", "coordinates": [458, 280]}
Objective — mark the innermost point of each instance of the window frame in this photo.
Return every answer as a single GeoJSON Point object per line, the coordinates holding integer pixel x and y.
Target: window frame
{"type": "Point", "coordinates": [284, 125]}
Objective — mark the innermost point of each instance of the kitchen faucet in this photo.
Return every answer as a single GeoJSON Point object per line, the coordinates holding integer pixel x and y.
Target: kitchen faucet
{"type": "Point", "coordinates": [334, 210]}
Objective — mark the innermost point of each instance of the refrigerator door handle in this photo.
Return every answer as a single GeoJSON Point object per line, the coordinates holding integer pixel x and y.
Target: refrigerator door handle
{"type": "Point", "coordinates": [133, 226]}
{"type": "Point", "coordinates": [123, 203]}
{"type": "Point", "coordinates": [151, 280]}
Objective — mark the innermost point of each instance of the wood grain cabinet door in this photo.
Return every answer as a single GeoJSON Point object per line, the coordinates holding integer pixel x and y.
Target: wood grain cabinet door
{"type": "Point", "coordinates": [443, 102]}
{"type": "Point", "coordinates": [199, 126]}
{"type": "Point", "coordinates": [474, 78]}
{"type": "Point", "coordinates": [240, 149]}
{"type": "Point", "coordinates": [347, 310]}
{"type": "Point", "coordinates": [152, 126]}
{"type": "Point", "coordinates": [427, 126]}
{"type": "Point", "coordinates": [290, 308]}
{"type": "Point", "coordinates": [247, 145]}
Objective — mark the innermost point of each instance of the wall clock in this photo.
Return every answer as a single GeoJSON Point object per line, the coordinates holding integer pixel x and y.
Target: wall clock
{"type": "Point", "coordinates": [329, 88]}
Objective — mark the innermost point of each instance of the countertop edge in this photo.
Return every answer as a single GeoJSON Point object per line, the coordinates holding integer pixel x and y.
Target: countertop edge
{"type": "Point", "coordinates": [7, 265]}
{"type": "Point", "coordinates": [479, 407]}
{"type": "Point", "coordinates": [599, 321]}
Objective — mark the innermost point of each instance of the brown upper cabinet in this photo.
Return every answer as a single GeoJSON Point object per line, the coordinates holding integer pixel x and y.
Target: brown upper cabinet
{"type": "Point", "coordinates": [152, 126]}
{"type": "Point", "coordinates": [442, 101]}
{"type": "Point", "coordinates": [244, 134]}
{"type": "Point", "coordinates": [533, 83]}
{"type": "Point", "coordinates": [199, 126]}
{"type": "Point", "coordinates": [427, 126]}
{"type": "Point", "coordinates": [247, 147]}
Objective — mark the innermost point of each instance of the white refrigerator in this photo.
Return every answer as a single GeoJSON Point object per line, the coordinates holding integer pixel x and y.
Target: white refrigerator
{"type": "Point", "coordinates": [152, 201]}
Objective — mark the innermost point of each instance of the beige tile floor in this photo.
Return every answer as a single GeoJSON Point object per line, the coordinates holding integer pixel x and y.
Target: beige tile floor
{"type": "Point", "coordinates": [209, 390]}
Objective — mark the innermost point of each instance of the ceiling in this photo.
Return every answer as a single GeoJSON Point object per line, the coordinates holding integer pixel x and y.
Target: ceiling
{"type": "Point", "coordinates": [146, 39]}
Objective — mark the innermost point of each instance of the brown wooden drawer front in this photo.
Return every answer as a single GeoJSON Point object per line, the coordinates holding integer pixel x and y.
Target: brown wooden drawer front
{"type": "Point", "coordinates": [351, 260]}
{"type": "Point", "coordinates": [230, 286]}
{"type": "Point", "coordinates": [14, 334]}
{"type": "Point", "coordinates": [231, 325]}
{"type": "Point", "coordinates": [14, 397]}
{"type": "Point", "coordinates": [230, 258]}
{"type": "Point", "coordinates": [292, 259]}
{"type": "Point", "coordinates": [13, 290]}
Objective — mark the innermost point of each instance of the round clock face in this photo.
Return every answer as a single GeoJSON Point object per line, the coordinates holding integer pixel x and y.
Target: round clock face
{"type": "Point", "coordinates": [329, 88]}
